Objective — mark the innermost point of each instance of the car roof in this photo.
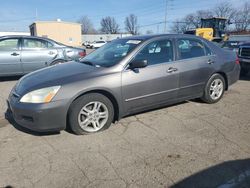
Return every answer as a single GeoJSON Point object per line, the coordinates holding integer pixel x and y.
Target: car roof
{"type": "Point", "coordinates": [24, 36]}
{"type": "Point", "coordinates": [148, 37]}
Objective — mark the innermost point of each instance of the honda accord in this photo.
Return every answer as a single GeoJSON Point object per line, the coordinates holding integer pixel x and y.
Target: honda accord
{"type": "Point", "coordinates": [124, 77]}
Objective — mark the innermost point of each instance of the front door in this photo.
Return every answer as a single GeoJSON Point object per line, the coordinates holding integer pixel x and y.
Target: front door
{"type": "Point", "coordinates": [154, 84]}
{"type": "Point", "coordinates": [10, 53]}
{"type": "Point", "coordinates": [36, 54]}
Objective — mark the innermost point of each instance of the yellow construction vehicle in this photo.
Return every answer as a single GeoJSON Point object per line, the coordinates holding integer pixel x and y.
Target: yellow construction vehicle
{"type": "Point", "coordinates": [212, 29]}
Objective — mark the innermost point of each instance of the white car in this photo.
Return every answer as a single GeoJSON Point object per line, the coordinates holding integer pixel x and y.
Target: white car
{"type": "Point", "coordinates": [97, 44]}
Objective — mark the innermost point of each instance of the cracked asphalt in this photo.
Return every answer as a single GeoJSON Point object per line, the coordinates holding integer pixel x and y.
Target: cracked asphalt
{"type": "Point", "coordinates": [190, 144]}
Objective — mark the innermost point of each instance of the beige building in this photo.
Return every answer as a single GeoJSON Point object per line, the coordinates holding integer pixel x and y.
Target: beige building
{"type": "Point", "coordinates": [64, 32]}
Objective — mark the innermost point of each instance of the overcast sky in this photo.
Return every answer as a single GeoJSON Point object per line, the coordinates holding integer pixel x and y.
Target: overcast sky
{"type": "Point", "coordinates": [17, 15]}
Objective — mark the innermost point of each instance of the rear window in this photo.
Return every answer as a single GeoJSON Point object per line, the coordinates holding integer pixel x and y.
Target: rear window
{"type": "Point", "coordinates": [230, 44]}
{"type": "Point", "coordinates": [34, 44]}
{"type": "Point", "coordinates": [191, 48]}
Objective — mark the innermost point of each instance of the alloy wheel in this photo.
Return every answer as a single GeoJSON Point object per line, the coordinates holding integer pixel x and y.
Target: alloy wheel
{"type": "Point", "coordinates": [93, 116]}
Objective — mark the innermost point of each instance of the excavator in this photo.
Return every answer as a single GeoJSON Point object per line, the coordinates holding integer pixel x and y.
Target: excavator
{"type": "Point", "coordinates": [212, 29]}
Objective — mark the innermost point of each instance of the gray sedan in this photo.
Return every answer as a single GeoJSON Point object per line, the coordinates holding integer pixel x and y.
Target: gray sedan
{"type": "Point", "coordinates": [23, 54]}
{"type": "Point", "coordinates": [123, 77]}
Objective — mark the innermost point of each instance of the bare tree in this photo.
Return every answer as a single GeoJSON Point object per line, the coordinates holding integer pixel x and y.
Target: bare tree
{"type": "Point", "coordinates": [190, 21]}
{"type": "Point", "coordinates": [242, 18]}
{"type": "Point", "coordinates": [224, 9]}
{"type": "Point", "coordinates": [87, 26]}
{"type": "Point", "coordinates": [131, 24]}
{"type": "Point", "coordinates": [109, 25]}
{"type": "Point", "coordinates": [180, 26]}
{"type": "Point", "coordinates": [193, 20]}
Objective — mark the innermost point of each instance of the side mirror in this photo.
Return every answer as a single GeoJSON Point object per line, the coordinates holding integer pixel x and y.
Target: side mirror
{"type": "Point", "coordinates": [138, 64]}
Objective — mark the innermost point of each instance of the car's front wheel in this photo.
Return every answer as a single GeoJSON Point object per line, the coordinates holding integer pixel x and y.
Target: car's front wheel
{"type": "Point", "coordinates": [91, 113]}
{"type": "Point", "coordinates": [214, 89]}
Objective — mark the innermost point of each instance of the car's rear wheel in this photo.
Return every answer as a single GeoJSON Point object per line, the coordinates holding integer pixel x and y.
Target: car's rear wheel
{"type": "Point", "coordinates": [91, 113]}
{"type": "Point", "coordinates": [214, 89]}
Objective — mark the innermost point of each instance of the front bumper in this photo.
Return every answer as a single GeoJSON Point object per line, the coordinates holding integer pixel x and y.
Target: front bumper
{"type": "Point", "coordinates": [39, 117]}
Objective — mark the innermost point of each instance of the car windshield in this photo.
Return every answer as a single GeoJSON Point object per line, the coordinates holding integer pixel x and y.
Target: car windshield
{"type": "Point", "coordinates": [111, 53]}
{"type": "Point", "coordinates": [231, 44]}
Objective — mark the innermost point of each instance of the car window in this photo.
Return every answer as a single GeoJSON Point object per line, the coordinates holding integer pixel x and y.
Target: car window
{"type": "Point", "coordinates": [50, 45]}
{"type": "Point", "coordinates": [9, 44]}
{"type": "Point", "coordinates": [208, 50]}
{"type": "Point", "coordinates": [190, 48]}
{"type": "Point", "coordinates": [112, 53]}
{"type": "Point", "coordinates": [100, 42]}
{"type": "Point", "coordinates": [156, 52]}
{"type": "Point", "coordinates": [34, 44]}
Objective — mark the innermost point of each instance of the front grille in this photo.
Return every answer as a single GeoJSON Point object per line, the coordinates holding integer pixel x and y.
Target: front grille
{"type": "Point", "coordinates": [245, 52]}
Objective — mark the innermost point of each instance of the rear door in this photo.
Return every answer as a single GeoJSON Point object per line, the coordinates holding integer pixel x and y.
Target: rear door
{"type": "Point", "coordinates": [153, 84]}
{"type": "Point", "coordinates": [36, 54]}
{"type": "Point", "coordinates": [10, 63]}
{"type": "Point", "coordinates": [195, 65]}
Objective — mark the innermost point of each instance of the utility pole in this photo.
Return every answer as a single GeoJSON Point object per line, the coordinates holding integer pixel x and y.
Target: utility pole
{"type": "Point", "coordinates": [165, 21]}
{"type": "Point", "coordinates": [36, 14]}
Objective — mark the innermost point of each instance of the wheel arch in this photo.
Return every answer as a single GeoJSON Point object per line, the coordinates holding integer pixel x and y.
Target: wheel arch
{"type": "Point", "coordinates": [225, 78]}
{"type": "Point", "coordinates": [107, 94]}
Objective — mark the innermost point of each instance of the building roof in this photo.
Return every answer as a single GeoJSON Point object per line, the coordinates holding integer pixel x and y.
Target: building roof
{"type": "Point", "coordinates": [51, 22]}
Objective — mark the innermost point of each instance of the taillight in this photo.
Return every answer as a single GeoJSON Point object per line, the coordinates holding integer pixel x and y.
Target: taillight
{"type": "Point", "coordinates": [237, 61]}
{"type": "Point", "coordinates": [82, 54]}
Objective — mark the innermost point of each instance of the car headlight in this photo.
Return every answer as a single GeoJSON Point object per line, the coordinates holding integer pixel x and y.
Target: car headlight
{"type": "Point", "coordinates": [43, 95]}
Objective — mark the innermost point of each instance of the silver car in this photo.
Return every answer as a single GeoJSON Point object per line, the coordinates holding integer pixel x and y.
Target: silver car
{"type": "Point", "coordinates": [123, 77]}
{"type": "Point", "coordinates": [23, 54]}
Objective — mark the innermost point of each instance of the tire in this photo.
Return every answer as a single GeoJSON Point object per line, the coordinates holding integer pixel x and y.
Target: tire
{"type": "Point", "coordinates": [84, 112]}
{"type": "Point", "coordinates": [213, 94]}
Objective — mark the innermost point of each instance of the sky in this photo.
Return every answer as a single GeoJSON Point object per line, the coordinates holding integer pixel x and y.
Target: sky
{"type": "Point", "coordinates": [17, 15]}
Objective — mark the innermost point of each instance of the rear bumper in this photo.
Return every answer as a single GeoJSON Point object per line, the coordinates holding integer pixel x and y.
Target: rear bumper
{"type": "Point", "coordinates": [39, 117]}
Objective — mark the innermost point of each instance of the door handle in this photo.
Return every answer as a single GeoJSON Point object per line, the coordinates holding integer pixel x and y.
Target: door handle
{"type": "Point", "coordinates": [210, 61]}
{"type": "Point", "coordinates": [172, 69]}
{"type": "Point", "coordinates": [51, 53]}
{"type": "Point", "coordinates": [14, 54]}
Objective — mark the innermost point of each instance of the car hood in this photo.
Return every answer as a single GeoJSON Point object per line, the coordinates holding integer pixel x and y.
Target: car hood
{"type": "Point", "coordinates": [55, 75]}
{"type": "Point", "coordinates": [245, 44]}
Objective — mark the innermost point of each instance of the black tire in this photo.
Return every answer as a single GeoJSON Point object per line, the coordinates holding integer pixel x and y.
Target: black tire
{"type": "Point", "coordinates": [79, 103]}
{"type": "Point", "coordinates": [207, 96]}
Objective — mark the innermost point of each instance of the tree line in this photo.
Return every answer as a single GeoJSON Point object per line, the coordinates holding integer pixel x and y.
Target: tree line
{"type": "Point", "coordinates": [238, 18]}
{"type": "Point", "coordinates": [109, 25]}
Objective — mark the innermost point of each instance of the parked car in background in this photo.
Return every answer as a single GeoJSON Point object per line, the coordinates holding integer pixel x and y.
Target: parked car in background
{"type": "Point", "coordinates": [96, 44]}
{"type": "Point", "coordinates": [123, 77]}
{"type": "Point", "coordinates": [235, 41]}
{"type": "Point", "coordinates": [244, 58]}
{"type": "Point", "coordinates": [23, 54]}
{"type": "Point", "coordinates": [86, 43]}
